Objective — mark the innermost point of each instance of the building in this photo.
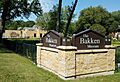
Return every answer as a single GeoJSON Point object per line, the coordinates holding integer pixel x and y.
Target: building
{"type": "Point", "coordinates": [26, 32]}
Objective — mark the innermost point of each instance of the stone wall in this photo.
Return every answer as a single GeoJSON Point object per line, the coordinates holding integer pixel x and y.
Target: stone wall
{"type": "Point", "coordinates": [69, 63]}
{"type": "Point", "coordinates": [9, 34]}
{"type": "Point", "coordinates": [94, 61]}
{"type": "Point", "coordinates": [50, 58]}
{"type": "Point", "coordinates": [24, 33]}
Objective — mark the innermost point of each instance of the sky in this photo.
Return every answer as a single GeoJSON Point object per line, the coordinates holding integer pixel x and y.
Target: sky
{"type": "Point", "coordinates": [110, 5]}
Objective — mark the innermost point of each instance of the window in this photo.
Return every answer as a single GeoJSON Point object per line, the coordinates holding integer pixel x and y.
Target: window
{"type": "Point", "coordinates": [40, 35]}
{"type": "Point", "coordinates": [34, 34]}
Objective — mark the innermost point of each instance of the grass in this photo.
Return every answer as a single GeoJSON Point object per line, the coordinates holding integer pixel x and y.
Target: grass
{"type": "Point", "coordinates": [15, 68]}
{"type": "Point", "coordinates": [116, 43]}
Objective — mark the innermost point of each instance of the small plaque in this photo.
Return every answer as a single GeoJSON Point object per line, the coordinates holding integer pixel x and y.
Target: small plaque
{"type": "Point", "coordinates": [88, 39]}
{"type": "Point", "coordinates": [107, 40]}
{"type": "Point", "coordinates": [66, 41]}
{"type": "Point", "coordinates": [52, 39]}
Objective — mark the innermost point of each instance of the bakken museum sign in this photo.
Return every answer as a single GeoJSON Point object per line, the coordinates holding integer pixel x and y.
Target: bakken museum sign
{"type": "Point", "coordinates": [52, 39]}
{"type": "Point", "coordinates": [88, 39]}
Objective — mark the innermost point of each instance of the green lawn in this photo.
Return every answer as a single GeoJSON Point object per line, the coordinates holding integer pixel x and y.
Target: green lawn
{"type": "Point", "coordinates": [15, 68]}
{"type": "Point", "coordinates": [116, 43]}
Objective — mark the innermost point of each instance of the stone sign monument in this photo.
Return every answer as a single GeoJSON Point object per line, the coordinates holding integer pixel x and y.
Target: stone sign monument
{"type": "Point", "coordinates": [88, 55]}
{"type": "Point", "coordinates": [88, 39]}
{"type": "Point", "coordinates": [52, 39]}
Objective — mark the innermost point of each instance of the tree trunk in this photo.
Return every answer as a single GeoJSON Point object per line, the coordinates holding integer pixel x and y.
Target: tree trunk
{"type": "Point", "coordinates": [69, 19]}
{"type": "Point", "coordinates": [1, 36]}
{"type": "Point", "coordinates": [59, 16]}
{"type": "Point", "coordinates": [2, 30]}
{"type": "Point", "coordinates": [4, 16]}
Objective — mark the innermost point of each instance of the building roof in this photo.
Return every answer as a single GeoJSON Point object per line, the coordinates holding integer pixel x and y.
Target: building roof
{"type": "Point", "coordinates": [55, 32]}
{"type": "Point", "coordinates": [86, 31]}
{"type": "Point", "coordinates": [19, 28]}
{"type": "Point", "coordinates": [33, 28]}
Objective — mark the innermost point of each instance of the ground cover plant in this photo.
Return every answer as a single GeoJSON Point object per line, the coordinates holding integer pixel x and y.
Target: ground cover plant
{"type": "Point", "coordinates": [15, 68]}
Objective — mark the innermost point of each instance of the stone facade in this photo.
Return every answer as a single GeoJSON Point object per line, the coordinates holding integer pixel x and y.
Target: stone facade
{"type": "Point", "coordinates": [70, 63]}
{"type": "Point", "coordinates": [37, 33]}
{"type": "Point", "coordinates": [95, 61]}
{"type": "Point", "coordinates": [12, 34]}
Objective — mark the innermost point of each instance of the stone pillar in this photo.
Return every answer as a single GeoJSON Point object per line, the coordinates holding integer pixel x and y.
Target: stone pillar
{"type": "Point", "coordinates": [39, 46]}
{"type": "Point", "coordinates": [69, 54]}
{"type": "Point", "coordinates": [111, 57]}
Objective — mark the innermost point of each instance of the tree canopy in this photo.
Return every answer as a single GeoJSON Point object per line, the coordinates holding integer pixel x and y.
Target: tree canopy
{"type": "Point", "coordinates": [49, 20]}
{"type": "Point", "coordinates": [92, 15]}
{"type": "Point", "coordinates": [13, 25]}
{"type": "Point", "coordinates": [11, 9]}
{"type": "Point", "coordinates": [99, 19]}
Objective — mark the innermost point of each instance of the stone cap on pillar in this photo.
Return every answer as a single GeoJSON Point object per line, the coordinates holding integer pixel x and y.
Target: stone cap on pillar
{"type": "Point", "coordinates": [67, 48]}
{"type": "Point", "coordinates": [39, 44]}
{"type": "Point", "coordinates": [110, 47]}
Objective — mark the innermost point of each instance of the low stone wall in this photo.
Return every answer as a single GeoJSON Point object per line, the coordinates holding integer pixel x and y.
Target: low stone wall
{"type": "Point", "coordinates": [69, 63]}
{"type": "Point", "coordinates": [95, 61]}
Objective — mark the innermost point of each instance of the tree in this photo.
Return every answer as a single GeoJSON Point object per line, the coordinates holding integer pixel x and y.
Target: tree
{"type": "Point", "coordinates": [71, 29]}
{"type": "Point", "coordinates": [93, 15]}
{"type": "Point", "coordinates": [99, 28]}
{"type": "Point", "coordinates": [13, 25]}
{"type": "Point", "coordinates": [29, 23]}
{"type": "Point", "coordinates": [116, 16]}
{"type": "Point", "coordinates": [10, 9]}
{"type": "Point", "coordinates": [116, 21]}
{"type": "Point", "coordinates": [52, 24]}
{"type": "Point", "coordinates": [59, 16]}
{"type": "Point", "coordinates": [112, 24]}
{"type": "Point", "coordinates": [49, 20]}
{"type": "Point", "coordinates": [72, 9]}
{"type": "Point", "coordinates": [43, 20]}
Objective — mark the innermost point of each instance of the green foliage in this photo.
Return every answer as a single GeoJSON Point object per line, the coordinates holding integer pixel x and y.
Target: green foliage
{"type": "Point", "coordinates": [116, 15]}
{"type": "Point", "coordinates": [29, 23]}
{"type": "Point", "coordinates": [92, 15]}
{"type": "Point", "coordinates": [71, 29]}
{"type": "Point", "coordinates": [116, 21]}
{"type": "Point", "coordinates": [13, 25]}
{"type": "Point", "coordinates": [115, 42]}
{"type": "Point", "coordinates": [19, 8]}
{"type": "Point", "coordinates": [52, 24]}
{"type": "Point", "coordinates": [98, 28]}
{"type": "Point", "coordinates": [117, 54]}
{"type": "Point", "coordinates": [43, 20]}
{"type": "Point", "coordinates": [48, 20]}
{"type": "Point", "coordinates": [11, 9]}
{"type": "Point", "coordinates": [113, 26]}
{"type": "Point", "coordinates": [15, 68]}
